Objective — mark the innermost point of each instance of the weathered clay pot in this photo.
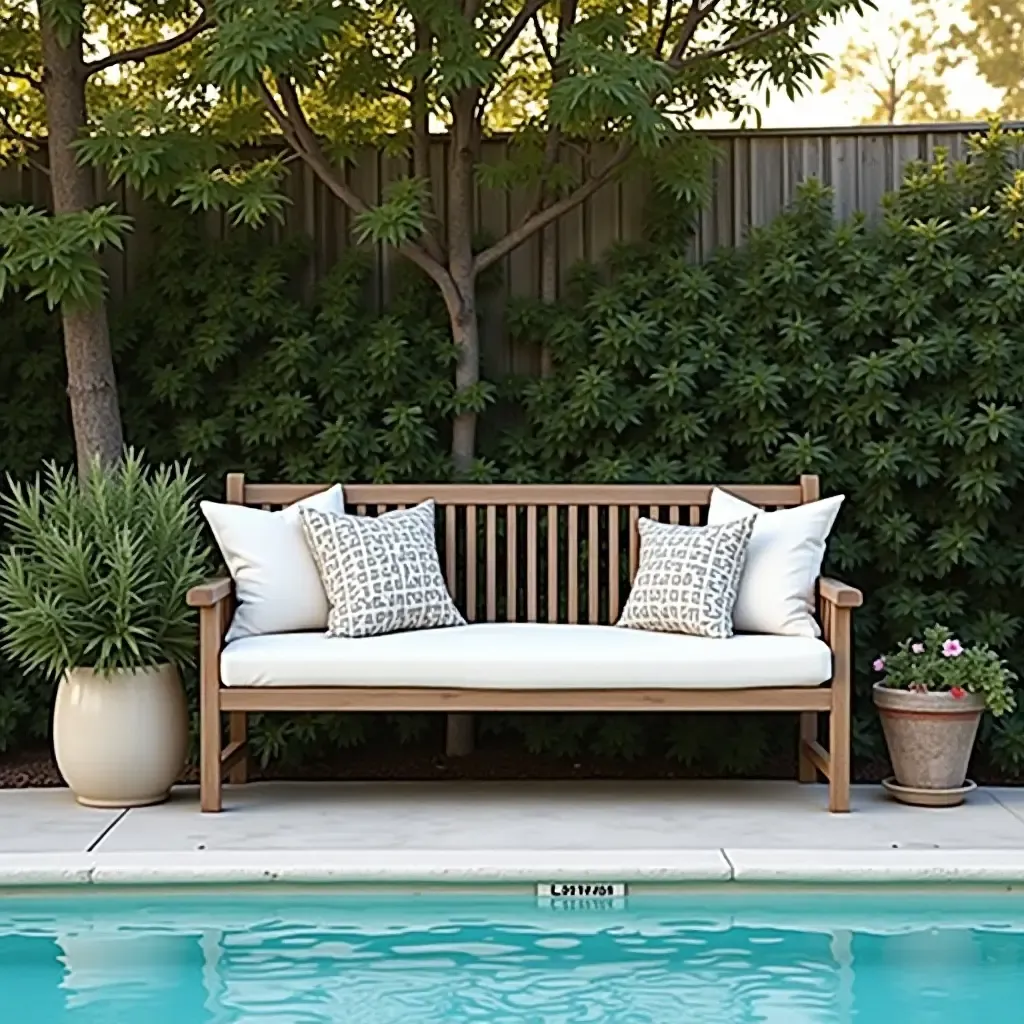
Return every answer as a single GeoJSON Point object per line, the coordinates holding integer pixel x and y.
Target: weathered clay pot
{"type": "Point", "coordinates": [930, 735]}
{"type": "Point", "coordinates": [120, 740]}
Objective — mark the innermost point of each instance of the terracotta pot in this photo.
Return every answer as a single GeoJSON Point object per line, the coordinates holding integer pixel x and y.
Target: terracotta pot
{"type": "Point", "coordinates": [120, 740]}
{"type": "Point", "coordinates": [930, 736]}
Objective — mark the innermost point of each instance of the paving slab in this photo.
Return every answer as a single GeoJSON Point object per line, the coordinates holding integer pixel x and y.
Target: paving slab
{"type": "Point", "coordinates": [49, 821]}
{"type": "Point", "coordinates": [598, 816]}
{"type": "Point", "coordinates": [877, 866]}
{"type": "Point", "coordinates": [430, 867]}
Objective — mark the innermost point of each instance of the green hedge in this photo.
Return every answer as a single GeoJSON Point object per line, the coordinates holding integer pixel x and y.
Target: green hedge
{"type": "Point", "coordinates": [887, 356]}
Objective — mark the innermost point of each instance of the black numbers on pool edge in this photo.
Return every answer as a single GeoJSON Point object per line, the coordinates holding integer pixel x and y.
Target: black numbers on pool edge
{"type": "Point", "coordinates": [571, 891]}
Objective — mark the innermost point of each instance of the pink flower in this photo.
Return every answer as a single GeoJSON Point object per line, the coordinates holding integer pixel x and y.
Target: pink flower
{"type": "Point", "coordinates": [879, 664]}
{"type": "Point", "coordinates": [952, 649]}
{"type": "Point", "coordinates": [917, 648]}
{"type": "Point", "coordinates": [958, 693]}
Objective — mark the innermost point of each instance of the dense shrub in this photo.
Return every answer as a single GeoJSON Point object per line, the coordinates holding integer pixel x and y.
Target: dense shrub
{"type": "Point", "coordinates": [220, 357]}
{"type": "Point", "coordinates": [887, 356]}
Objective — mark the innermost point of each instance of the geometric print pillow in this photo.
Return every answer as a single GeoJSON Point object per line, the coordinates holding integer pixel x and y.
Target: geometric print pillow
{"type": "Point", "coordinates": [688, 578]}
{"type": "Point", "coordinates": [381, 575]}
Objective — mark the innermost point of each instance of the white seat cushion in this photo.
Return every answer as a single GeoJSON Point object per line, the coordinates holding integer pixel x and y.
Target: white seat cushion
{"type": "Point", "coordinates": [527, 656]}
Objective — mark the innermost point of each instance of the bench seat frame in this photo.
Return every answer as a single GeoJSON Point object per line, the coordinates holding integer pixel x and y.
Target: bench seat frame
{"type": "Point", "coordinates": [222, 757]}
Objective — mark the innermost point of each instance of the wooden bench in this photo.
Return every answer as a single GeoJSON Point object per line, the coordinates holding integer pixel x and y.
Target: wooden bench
{"type": "Point", "coordinates": [504, 562]}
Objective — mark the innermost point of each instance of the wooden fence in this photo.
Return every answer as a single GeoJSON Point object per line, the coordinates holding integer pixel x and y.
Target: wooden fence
{"type": "Point", "coordinates": [756, 176]}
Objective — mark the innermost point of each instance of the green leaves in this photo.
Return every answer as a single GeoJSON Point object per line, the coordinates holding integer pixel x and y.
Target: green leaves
{"type": "Point", "coordinates": [938, 662]}
{"type": "Point", "coordinates": [280, 36]}
{"type": "Point", "coordinates": [399, 218]}
{"type": "Point", "coordinates": [53, 256]}
{"type": "Point", "coordinates": [95, 572]}
{"type": "Point", "coordinates": [251, 194]}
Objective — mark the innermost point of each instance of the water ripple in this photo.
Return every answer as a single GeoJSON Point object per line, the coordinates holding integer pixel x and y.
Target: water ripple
{"type": "Point", "coordinates": [342, 963]}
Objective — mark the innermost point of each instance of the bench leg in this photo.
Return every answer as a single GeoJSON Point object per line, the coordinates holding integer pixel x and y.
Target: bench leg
{"type": "Point", "coordinates": [808, 733]}
{"type": "Point", "coordinates": [839, 753]}
{"type": "Point", "coordinates": [459, 737]}
{"type": "Point", "coordinates": [238, 725]}
{"type": "Point", "coordinates": [209, 760]}
{"type": "Point", "coordinates": [209, 710]}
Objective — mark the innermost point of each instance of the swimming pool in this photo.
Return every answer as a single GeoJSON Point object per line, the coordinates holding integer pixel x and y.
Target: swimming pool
{"type": "Point", "coordinates": [305, 956]}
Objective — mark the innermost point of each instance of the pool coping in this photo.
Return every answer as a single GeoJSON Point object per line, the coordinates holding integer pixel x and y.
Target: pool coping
{"type": "Point", "coordinates": [477, 867]}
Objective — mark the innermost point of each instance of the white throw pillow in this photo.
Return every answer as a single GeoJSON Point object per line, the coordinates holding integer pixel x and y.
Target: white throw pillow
{"type": "Point", "coordinates": [277, 586]}
{"type": "Point", "coordinates": [382, 575]}
{"type": "Point", "coordinates": [687, 578]}
{"type": "Point", "coordinates": [783, 563]}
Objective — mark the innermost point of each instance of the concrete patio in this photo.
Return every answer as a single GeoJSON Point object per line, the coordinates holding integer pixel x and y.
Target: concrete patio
{"type": "Point", "coordinates": [668, 831]}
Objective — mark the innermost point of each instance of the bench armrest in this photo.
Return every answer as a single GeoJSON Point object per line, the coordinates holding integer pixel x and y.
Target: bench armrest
{"type": "Point", "coordinates": [207, 594]}
{"type": "Point", "coordinates": [839, 594]}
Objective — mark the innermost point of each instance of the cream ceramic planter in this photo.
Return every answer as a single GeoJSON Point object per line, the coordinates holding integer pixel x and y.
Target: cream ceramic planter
{"type": "Point", "coordinates": [120, 740]}
{"type": "Point", "coordinates": [930, 736]}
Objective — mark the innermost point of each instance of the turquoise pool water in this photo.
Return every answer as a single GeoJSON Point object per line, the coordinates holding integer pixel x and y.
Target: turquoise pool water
{"type": "Point", "coordinates": [312, 957]}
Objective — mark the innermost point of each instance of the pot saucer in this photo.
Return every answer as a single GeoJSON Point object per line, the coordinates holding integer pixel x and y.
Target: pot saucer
{"type": "Point", "coordinates": [928, 797]}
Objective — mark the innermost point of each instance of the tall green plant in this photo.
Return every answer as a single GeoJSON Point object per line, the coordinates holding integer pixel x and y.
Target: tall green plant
{"type": "Point", "coordinates": [96, 571]}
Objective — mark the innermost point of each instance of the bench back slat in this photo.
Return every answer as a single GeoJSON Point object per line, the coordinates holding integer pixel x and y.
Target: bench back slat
{"type": "Point", "coordinates": [537, 552]}
{"type": "Point", "coordinates": [524, 495]}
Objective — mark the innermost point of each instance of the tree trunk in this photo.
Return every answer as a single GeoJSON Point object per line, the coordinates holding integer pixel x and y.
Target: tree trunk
{"type": "Point", "coordinates": [461, 301]}
{"type": "Point", "coordinates": [92, 386]}
{"type": "Point", "coordinates": [466, 332]}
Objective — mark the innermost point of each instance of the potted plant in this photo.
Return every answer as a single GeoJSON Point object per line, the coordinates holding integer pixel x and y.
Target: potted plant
{"type": "Point", "coordinates": [92, 591]}
{"type": "Point", "coordinates": [930, 700]}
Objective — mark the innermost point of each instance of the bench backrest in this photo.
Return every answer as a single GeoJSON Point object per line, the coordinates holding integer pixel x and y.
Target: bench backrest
{"type": "Point", "coordinates": [536, 552]}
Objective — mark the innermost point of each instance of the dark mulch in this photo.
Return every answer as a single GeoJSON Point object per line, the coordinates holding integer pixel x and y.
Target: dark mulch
{"type": "Point", "coordinates": [36, 768]}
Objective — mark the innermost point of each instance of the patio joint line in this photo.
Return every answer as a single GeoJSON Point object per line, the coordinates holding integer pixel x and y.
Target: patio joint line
{"type": "Point", "coordinates": [106, 832]}
{"type": "Point", "coordinates": [732, 867]}
{"type": "Point", "coordinates": [1006, 807]}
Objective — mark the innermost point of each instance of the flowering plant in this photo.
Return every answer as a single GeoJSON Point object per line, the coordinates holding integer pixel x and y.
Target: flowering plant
{"type": "Point", "coordinates": [939, 663]}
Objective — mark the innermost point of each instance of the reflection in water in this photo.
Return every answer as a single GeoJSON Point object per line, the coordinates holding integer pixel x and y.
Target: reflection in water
{"type": "Point", "coordinates": [137, 965]}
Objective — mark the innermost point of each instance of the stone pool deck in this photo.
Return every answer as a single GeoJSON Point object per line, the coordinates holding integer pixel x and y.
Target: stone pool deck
{"type": "Point", "coordinates": [455, 832]}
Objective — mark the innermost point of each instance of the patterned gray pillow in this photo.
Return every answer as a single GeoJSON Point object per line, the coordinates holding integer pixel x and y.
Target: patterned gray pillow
{"type": "Point", "coordinates": [688, 578]}
{"type": "Point", "coordinates": [381, 575]}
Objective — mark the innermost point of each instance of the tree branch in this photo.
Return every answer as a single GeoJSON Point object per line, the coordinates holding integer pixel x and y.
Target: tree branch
{"type": "Point", "coordinates": [21, 76]}
{"type": "Point", "coordinates": [292, 121]}
{"type": "Point", "coordinates": [738, 44]}
{"type": "Point", "coordinates": [567, 12]}
{"type": "Point", "coordinates": [515, 28]}
{"type": "Point", "coordinates": [540, 219]}
{"type": "Point", "coordinates": [279, 116]}
{"type": "Point", "coordinates": [141, 53]}
{"type": "Point", "coordinates": [665, 26]}
{"type": "Point", "coordinates": [15, 135]}
{"type": "Point", "coordinates": [694, 16]}
{"type": "Point", "coordinates": [396, 90]}
{"type": "Point", "coordinates": [542, 39]}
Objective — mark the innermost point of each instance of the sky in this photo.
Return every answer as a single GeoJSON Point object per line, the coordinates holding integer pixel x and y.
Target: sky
{"type": "Point", "coordinates": [847, 105]}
